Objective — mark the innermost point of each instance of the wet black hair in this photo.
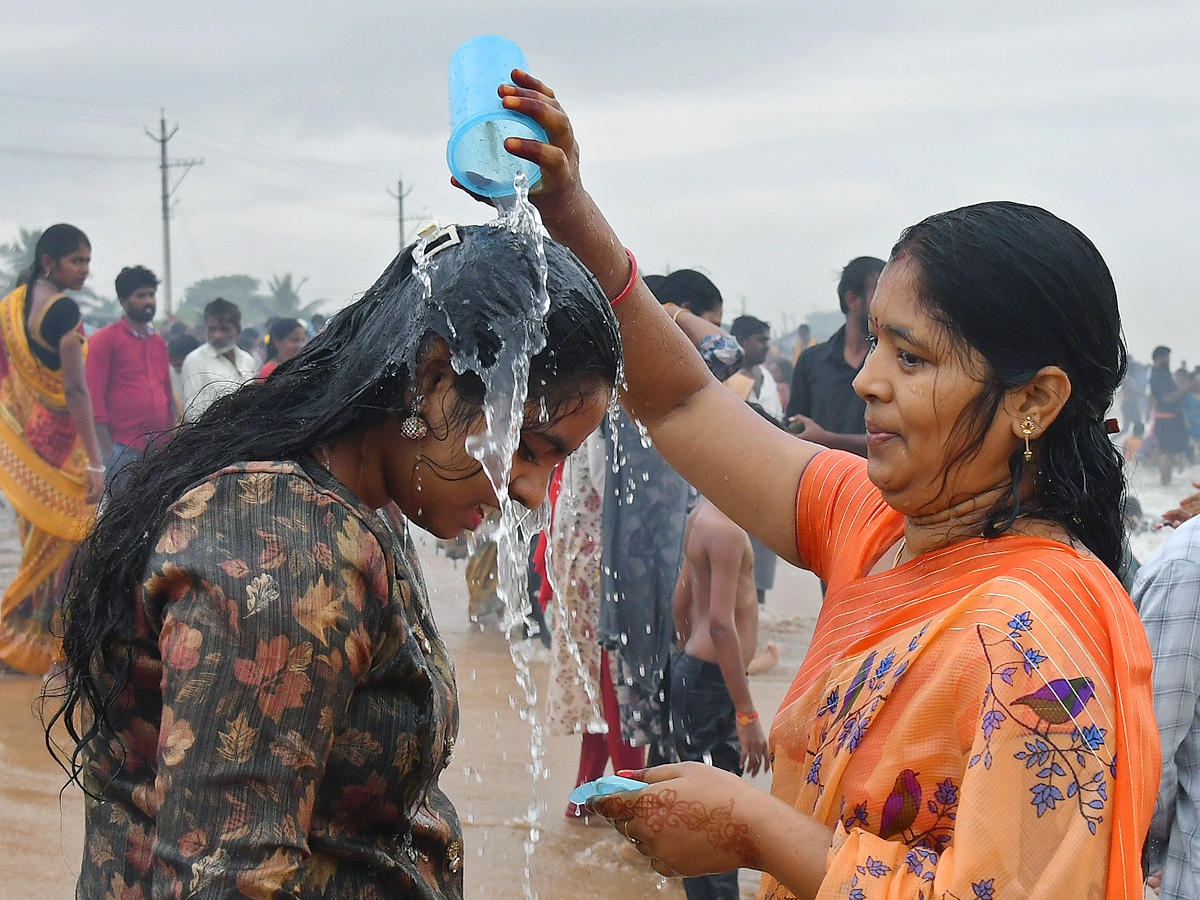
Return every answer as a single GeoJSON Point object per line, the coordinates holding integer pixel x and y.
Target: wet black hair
{"type": "Point", "coordinates": [1025, 290]}
{"type": "Point", "coordinates": [353, 376]}
{"type": "Point", "coordinates": [56, 242]}
{"type": "Point", "coordinates": [278, 330]}
{"type": "Point", "coordinates": [691, 290]}
{"type": "Point", "coordinates": [132, 279]}
{"type": "Point", "coordinates": [854, 277]}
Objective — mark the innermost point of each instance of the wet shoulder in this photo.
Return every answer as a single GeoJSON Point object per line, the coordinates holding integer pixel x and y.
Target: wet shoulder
{"type": "Point", "coordinates": [1056, 567]}
{"type": "Point", "coordinates": [280, 511]}
{"type": "Point", "coordinates": [265, 483]}
{"type": "Point", "coordinates": [1069, 591]}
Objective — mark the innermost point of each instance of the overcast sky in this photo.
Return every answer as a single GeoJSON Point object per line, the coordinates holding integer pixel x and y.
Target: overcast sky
{"type": "Point", "coordinates": [765, 143]}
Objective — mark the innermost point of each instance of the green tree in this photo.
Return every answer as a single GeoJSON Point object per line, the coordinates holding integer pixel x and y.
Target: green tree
{"type": "Point", "coordinates": [285, 298]}
{"type": "Point", "coordinates": [15, 256]}
{"type": "Point", "coordinates": [281, 298]}
{"type": "Point", "coordinates": [98, 310]}
{"type": "Point", "coordinates": [240, 289]}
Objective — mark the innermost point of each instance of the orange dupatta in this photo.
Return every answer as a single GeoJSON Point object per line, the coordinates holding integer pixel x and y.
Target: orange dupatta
{"type": "Point", "coordinates": [917, 725]}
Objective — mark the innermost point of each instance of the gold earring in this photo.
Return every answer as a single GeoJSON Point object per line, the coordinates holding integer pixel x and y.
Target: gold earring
{"type": "Point", "coordinates": [415, 427]}
{"type": "Point", "coordinates": [1027, 430]}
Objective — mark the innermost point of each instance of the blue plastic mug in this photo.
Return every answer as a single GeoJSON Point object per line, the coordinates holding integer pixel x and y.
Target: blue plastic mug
{"type": "Point", "coordinates": [479, 123]}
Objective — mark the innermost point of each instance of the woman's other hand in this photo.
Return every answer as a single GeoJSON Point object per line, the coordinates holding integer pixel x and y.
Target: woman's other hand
{"type": "Point", "coordinates": [691, 819]}
{"type": "Point", "coordinates": [755, 753]}
{"type": "Point", "coordinates": [559, 193]}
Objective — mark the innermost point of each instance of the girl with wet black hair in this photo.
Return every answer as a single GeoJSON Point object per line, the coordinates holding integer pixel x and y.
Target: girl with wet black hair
{"type": "Point", "coordinates": [259, 700]}
{"type": "Point", "coordinates": [974, 717]}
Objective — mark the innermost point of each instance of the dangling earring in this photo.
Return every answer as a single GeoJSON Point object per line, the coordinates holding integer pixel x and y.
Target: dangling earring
{"type": "Point", "coordinates": [415, 427]}
{"type": "Point", "coordinates": [1027, 430]}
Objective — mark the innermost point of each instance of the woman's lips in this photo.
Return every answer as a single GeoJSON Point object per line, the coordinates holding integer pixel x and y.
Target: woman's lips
{"type": "Point", "coordinates": [877, 437]}
{"type": "Point", "coordinates": [475, 519]}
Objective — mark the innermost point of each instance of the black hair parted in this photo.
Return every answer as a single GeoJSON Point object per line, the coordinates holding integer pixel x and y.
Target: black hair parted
{"type": "Point", "coordinates": [1026, 290]}
{"type": "Point", "coordinates": [56, 242]}
{"type": "Point", "coordinates": [354, 375]}
{"type": "Point", "coordinates": [279, 330]}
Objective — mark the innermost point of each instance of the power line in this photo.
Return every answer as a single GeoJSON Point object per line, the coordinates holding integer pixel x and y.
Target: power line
{"type": "Point", "coordinates": [74, 101]}
{"type": "Point", "coordinates": [64, 154]}
{"type": "Point", "coordinates": [167, 190]}
{"type": "Point", "coordinates": [320, 165]}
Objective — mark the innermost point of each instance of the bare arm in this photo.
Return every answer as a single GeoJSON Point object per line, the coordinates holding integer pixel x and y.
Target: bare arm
{"type": "Point", "coordinates": [104, 438]}
{"type": "Point", "coordinates": [727, 559]}
{"type": "Point", "coordinates": [682, 606]}
{"type": "Point", "coordinates": [97, 372]}
{"type": "Point", "coordinates": [79, 406]}
{"type": "Point", "coordinates": [669, 389]}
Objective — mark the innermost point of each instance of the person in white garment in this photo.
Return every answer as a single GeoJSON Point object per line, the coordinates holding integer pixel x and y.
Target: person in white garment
{"type": "Point", "coordinates": [218, 367]}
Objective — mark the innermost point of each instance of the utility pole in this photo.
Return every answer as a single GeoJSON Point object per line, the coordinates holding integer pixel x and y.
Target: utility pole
{"type": "Point", "coordinates": [167, 190]}
{"type": "Point", "coordinates": [400, 195]}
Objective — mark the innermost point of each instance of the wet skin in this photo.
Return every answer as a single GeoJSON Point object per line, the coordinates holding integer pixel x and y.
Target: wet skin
{"type": "Point", "coordinates": [436, 483]}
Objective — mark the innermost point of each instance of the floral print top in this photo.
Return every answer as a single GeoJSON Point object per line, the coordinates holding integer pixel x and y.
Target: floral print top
{"type": "Point", "coordinates": [290, 710]}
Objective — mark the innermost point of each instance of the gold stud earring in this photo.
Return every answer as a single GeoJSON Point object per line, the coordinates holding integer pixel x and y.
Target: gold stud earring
{"type": "Point", "coordinates": [1027, 430]}
{"type": "Point", "coordinates": [414, 427]}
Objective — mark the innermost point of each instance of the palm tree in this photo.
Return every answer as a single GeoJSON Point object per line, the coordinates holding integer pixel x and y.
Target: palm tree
{"type": "Point", "coordinates": [284, 298]}
{"type": "Point", "coordinates": [16, 256]}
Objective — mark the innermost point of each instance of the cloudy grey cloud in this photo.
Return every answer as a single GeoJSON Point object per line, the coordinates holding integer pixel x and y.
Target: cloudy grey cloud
{"type": "Point", "coordinates": [765, 142]}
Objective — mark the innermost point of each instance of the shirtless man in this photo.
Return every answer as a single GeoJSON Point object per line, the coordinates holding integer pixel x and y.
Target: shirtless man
{"type": "Point", "coordinates": [713, 718]}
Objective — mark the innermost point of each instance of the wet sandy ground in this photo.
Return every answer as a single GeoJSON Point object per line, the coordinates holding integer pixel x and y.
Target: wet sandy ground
{"type": "Point", "coordinates": [41, 830]}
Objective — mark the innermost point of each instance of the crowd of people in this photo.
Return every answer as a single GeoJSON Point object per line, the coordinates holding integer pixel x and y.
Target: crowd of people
{"type": "Point", "coordinates": [82, 407]}
{"type": "Point", "coordinates": [256, 696]}
{"type": "Point", "coordinates": [1169, 402]}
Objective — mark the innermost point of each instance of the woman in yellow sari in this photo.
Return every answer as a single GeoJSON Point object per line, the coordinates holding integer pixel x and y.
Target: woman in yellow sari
{"type": "Point", "coordinates": [50, 464]}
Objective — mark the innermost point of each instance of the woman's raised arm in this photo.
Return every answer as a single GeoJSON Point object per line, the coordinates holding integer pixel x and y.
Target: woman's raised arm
{"type": "Point", "coordinates": [748, 468]}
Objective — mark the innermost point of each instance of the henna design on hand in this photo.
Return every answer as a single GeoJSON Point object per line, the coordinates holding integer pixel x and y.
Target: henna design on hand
{"type": "Point", "coordinates": [663, 809]}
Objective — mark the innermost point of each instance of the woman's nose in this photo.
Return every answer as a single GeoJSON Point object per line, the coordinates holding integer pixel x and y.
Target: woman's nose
{"type": "Point", "coordinates": [866, 382]}
{"type": "Point", "coordinates": [528, 483]}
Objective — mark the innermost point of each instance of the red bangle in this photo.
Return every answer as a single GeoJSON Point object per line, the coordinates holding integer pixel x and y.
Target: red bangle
{"type": "Point", "coordinates": [632, 278]}
{"type": "Point", "coordinates": [745, 719]}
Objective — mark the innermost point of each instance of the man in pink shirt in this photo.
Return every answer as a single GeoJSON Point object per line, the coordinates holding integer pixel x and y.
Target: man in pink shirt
{"type": "Point", "coordinates": [128, 375]}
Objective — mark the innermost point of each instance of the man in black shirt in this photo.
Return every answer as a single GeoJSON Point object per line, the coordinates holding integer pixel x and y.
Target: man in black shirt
{"type": "Point", "coordinates": [1170, 429]}
{"type": "Point", "coordinates": [823, 406]}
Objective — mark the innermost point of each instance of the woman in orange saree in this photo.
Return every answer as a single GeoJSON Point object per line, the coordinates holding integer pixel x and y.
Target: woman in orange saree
{"type": "Point", "coordinates": [50, 463]}
{"type": "Point", "coordinates": [974, 718]}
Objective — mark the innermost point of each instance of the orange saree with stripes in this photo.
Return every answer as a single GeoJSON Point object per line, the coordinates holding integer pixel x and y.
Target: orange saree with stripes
{"type": "Point", "coordinates": [43, 473]}
{"type": "Point", "coordinates": [976, 724]}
